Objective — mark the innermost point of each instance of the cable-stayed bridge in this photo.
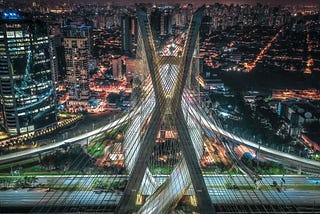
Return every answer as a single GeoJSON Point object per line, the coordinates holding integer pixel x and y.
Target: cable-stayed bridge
{"type": "Point", "coordinates": [168, 129]}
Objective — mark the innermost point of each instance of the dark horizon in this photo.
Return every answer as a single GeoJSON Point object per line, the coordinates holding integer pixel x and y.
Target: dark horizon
{"type": "Point", "coordinates": [199, 2]}
{"type": "Point", "coordinates": [195, 2]}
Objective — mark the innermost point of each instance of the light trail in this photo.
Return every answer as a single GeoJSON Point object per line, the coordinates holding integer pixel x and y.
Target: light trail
{"type": "Point", "coordinates": [204, 120]}
{"type": "Point", "coordinates": [210, 125]}
{"type": "Point", "coordinates": [23, 154]}
{"type": "Point", "coordinates": [251, 66]}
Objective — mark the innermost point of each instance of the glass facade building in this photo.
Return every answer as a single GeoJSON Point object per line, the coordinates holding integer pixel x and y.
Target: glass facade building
{"type": "Point", "coordinates": [26, 86]}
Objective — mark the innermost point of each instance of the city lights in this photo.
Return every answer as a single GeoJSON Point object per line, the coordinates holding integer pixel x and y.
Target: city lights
{"type": "Point", "coordinates": [159, 107]}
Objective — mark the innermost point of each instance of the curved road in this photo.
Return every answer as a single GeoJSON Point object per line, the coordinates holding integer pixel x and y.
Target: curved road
{"type": "Point", "coordinates": [198, 114]}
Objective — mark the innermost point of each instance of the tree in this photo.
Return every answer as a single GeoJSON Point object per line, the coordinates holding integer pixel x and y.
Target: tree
{"type": "Point", "coordinates": [2, 181]}
{"type": "Point", "coordinates": [8, 182]}
{"type": "Point", "coordinates": [33, 180]}
{"type": "Point", "coordinates": [19, 182]}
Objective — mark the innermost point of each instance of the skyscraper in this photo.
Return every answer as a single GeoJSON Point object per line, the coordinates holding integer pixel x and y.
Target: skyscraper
{"type": "Point", "coordinates": [128, 33]}
{"type": "Point", "coordinates": [155, 17]}
{"type": "Point", "coordinates": [166, 21]}
{"type": "Point", "coordinates": [126, 37]}
{"type": "Point", "coordinates": [27, 92]}
{"type": "Point", "coordinates": [117, 67]}
{"type": "Point", "coordinates": [161, 21]}
{"type": "Point", "coordinates": [77, 44]}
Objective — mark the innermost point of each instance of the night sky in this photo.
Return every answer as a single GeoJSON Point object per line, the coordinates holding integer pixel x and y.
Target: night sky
{"type": "Point", "coordinates": [172, 2]}
{"type": "Point", "coordinates": [195, 2]}
{"type": "Point", "coordinates": [253, 2]}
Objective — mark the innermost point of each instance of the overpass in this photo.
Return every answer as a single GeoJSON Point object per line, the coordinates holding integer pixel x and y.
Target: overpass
{"type": "Point", "coordinates": [198, 114]}
{"type": "Point", "coordinates": [165, 104]}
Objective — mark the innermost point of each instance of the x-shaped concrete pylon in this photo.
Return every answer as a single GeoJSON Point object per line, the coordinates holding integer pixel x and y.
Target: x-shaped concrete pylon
{"type": "Point", "coordinates": [164, 101]}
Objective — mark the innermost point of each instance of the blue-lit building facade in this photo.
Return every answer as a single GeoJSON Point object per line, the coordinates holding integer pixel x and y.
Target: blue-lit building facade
{"type": "Point", "coordinates": [26, 86]}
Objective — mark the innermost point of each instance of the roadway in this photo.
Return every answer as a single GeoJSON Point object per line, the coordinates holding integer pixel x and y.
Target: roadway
{"type": "Point", "coordinates": [86, 180]}
{"type": "Point", "coordinates": [36, 199]}
{"type": "Point", "coordinates": [208, 122]}
{"type": "Point", "coordinates": [199, 115]}
{"type": "Point", "coordinates": [39, 199]}
{"type": "Point", "coordinates": [81, 138]}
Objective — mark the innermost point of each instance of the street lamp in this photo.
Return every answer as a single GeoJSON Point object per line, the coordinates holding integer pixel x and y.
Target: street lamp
{"type": "Point", "coordinates": [27, 127]}
{"type": "Point", "coordinates": [259, 142]}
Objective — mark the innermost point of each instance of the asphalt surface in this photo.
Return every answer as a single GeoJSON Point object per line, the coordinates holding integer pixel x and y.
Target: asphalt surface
{"type": "Point", "coordinates": [35, 197]}
{"type": "Point", "coordinates": [38, 198]}
{"type": "Point", "coordinates": [43, 200]}
{"type": "Point", "coordinates": [80, 136]}
{"type": "Point", "coordinates": [89, 122]}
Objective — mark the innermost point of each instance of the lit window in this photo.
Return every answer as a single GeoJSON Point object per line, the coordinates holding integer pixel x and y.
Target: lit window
{"type": "Point", "coordinates": [10, 34]}
{"type": "Point", "coordinates": [19, 34]}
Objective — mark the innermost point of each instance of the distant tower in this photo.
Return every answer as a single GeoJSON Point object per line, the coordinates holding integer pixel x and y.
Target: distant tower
{"type": "Point", "coordinates": [155, 21]}
{"type": "Point", "coordinates": [166, 21]}
{"type": "Point", "coordinates": [58, 57]}
{"type": "Point", "coordinates": [77, 53]}
{"type": "Point", "coordinates": [126, 36]}
{"type": "Point", "coordinates": [27, 89]}
{"type": "Point", "coordinates": [161, 21]}
{"type": "Point", "coordinates": [117, 67]}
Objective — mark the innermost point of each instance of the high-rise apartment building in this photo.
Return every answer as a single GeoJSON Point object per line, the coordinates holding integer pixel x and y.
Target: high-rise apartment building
{"type": "Point", "coordinates": [128, 33]}
{"type": "Point", "coordinates": [126, 36]}
{"type": "Point", "coordinates": [161, 20]}
{"type": "Point", "coordinates": [166, 21]}
{"type": "Point", "coordinates": [77, 44]}
{"type": "Point", "coordinates": [26, 85]}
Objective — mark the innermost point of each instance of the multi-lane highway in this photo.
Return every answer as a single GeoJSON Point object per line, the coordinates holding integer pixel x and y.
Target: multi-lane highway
{"type": "Point", "coordinates": [220, 196]}
{"type": "Point", "coordinates": [198, 114]}
{"type": "Point", "coordinates": [40, 201]}
{"type": "Point", "coordinates": [275, 155]}
{"type": "Point", "coordinates": [82, 137]}
{"type": "Point", "coordinates": [86, 181]}
{"type": "Point", "coordinates": [40, 197]}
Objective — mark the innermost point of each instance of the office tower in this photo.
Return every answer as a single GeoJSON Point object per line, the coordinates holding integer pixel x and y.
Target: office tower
{"type": "Point", "coordinates": [117, 67]}
{"type": "Point", "coordinates": [126, 37]}
{"type": "Point", "coordinates": [161, 21]}
{"type": "Point", "coordinates": [128, 33]}
{"type": "Point", "coordinates": [155, 17]}
{"type": "Point", "coordinates": [101, 21]}
{"type": "Point", "coordinates": [166, 21]}
{"type": "Point", "coordinates": [77, 53]}
{"type": "Point", "coordinates": [27, 92]}
{"type": "Point", "coordinates": [58, 57]}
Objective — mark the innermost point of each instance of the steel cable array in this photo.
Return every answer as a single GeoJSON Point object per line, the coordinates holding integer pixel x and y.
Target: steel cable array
{"type": "Point", "coordinates": [277, 198]}
{"type": "Point", "coordinates": [164, 98]}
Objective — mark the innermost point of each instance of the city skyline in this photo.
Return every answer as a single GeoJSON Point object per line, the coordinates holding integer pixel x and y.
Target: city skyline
{"type": "Point", "coordinates": [160, 109]}
{"type": "Point", "coordinates": [195, 2]}
{"type": "Point", "coordinates": [200, 2]}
